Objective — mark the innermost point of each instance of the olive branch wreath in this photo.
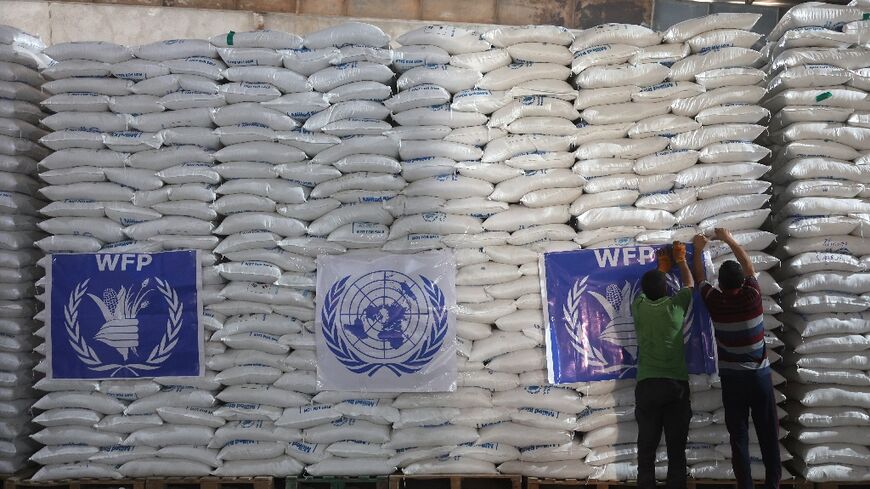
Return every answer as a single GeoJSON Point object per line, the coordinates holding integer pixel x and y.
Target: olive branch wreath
{"type": "Point", "coordinates": [353, 362]}
{"type": "Point", "coordinates": [579, 339]}
{"type": "Point", "coordinates": [87, 355]}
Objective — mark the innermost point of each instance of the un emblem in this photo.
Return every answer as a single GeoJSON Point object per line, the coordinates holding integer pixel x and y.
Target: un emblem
{"type": "Point", "coordinates": [384, 319]}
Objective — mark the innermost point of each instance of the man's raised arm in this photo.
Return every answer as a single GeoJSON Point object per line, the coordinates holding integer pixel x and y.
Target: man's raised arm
{"type": "Point", "coordinates": [700, 241]}
{"type": "Point", "coordinates": [742, 257]}
{"type": "Point", "coordinates": [680, 257]}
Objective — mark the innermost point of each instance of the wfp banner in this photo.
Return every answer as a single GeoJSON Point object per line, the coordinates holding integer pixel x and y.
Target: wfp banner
{"type": "Point", "coordinates": [589, 329]}
{"type": "Point", "coordinates": [385, 322]}
{"type": "Point", "coordinates": [124, 316]}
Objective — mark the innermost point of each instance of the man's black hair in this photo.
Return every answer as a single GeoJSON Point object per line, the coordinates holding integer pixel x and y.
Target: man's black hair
{"type": "Point", "coordinates": [654, 285]}
{"type": "Point", "coordinates": [730, 275]}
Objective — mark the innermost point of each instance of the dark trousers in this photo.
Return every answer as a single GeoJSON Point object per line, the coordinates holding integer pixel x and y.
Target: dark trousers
{"type": "Point", "coordinates": [742, 394]}
{"type": "Point", "coordinates": [662, 405]}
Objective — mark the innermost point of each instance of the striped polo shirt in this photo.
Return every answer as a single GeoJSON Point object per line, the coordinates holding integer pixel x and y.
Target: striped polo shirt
{"type": "Point", "coordinates": [738, 320]}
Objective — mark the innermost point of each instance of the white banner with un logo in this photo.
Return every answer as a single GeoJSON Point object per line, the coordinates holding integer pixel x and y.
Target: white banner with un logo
{"type": "Point", "coordinates": [385, 322]}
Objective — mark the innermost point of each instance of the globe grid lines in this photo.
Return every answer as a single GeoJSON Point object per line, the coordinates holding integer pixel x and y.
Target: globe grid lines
{"type": "Point", "coordinates": [394, 287]}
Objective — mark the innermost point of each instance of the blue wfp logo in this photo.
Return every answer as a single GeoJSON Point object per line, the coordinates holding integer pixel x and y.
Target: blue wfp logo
{"type": "Point", "coordinates": [124, 315]}
{"type": "Point", "coordinates": [611, 302]}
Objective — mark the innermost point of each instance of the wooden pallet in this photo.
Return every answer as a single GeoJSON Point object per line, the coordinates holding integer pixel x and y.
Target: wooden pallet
{"type": "Point", "coordinates": [842, 485]}
{"type": "Point", "coordinates": [209, 483]}
{"type": "Point", "coordinates": [150, 483]}
{"type": "Point", "coordinates": [312, 482]}
{"type": "Point", "coordinates": [546, 483]}
{"type": "Point", "coordinates": [23, 474]}
{"type": "Point", "coordinates": [728, 484]}
{"type": "Point", "coordinates": [22, 483]}
{"type": "Point", "coordinates": [542, 483]}
{"type": "Point", "coordinates": [456, 481]}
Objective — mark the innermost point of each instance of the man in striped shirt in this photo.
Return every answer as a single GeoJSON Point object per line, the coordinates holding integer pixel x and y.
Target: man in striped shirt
{"type": "Point", "coordinates": [738, 320]}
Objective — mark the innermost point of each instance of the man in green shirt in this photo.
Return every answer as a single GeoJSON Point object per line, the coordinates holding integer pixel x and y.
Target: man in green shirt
{"type": "Point", "coordinates": [662, 391]}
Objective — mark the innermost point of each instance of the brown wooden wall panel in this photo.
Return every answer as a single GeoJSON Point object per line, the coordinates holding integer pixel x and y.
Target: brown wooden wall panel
{"type": "Point", "coordinates": [268, 5]}
{"type": "Point", "coordinates": [523, 12]}
{"type": "Point", "coordinates": [569, 13]}
{"type": "Point", "coordinates": [321, 7]}
{"type": "Point", "coordinates": [209, 4]}
{"type": "Point", "coordinates": [150, 3]}
{"type": "Point", "coordinates": [384, 9]}
{"type": "Point", "coordinates": [474, 11]}
{"type": "Point", "coordinates": [589, 13]}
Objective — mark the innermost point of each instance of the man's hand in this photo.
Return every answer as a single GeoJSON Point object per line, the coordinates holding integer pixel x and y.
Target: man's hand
{"type": "Point", "coordinates": [700, 242]}
{"type": "Point", "coordinates": [739, 253]}
{"type": "Point", "coordinates": [723, 234]}
{"type": "Point", "coordinates": [664, 260]}
{"type": "Point", "coordinates": [679, 252]}
{"type": "Point", "coordinates": [680, 257]}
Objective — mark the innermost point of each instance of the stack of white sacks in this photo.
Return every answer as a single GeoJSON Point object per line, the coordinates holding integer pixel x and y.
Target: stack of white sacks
{"type": "Point", "coordinates": [19, 115]}
{"type": "Point", "coordinates": [478, 159]}
{"type": "Point", "coordinates": [266, 292]}
{"type": "Point", "coordinates": [438, 65]}
{"type": "Point", "coordinates": [728, 187]}
{"type": "Point", "coordinates": [621, 70]}
{"type": "Point", "coordinates": [131, 172]}
{"type": "Point", "coordinates": [666, 146]}
{"type": "Point", "coordinates": [443, 110]}
{"type": "Point", "coordinates": [819, 78]}
{"type": "Point", "coordinates": [529, 165]}
{"type": "Point", "coordinates": [351, 171]}
{"type": "Point", "coordinates": [379, 202]}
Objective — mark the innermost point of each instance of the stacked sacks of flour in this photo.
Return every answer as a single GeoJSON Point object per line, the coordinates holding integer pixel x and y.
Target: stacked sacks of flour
{"type": "Point", "coordinates": [724, 188]}
{"type": "Point", "coordinates": [669, 159]}
{"type": "Point", "coordinates": [448, 198]}
{"type": "Point", "coordinates": [624, 104]}
{"type": "Point", "coordinates": [131, 172]}
{"type": "Point", "coordinates": [19, 115]}
{"type": "Point", "coordinates": [435, 138]}
{"type": "Point", "coordinates": [434, 64]}
{"type": "Point", "coordinates": [351, 172]}
{"type": "Point", "coordinates": [361, 171]}
{"type": "Point", "coordinates": [350, 433]}
{"type": "Point", "coordinates": [529, 166]}
{"type": "Point", "coordinates": [260, 150]}
{"type": "Point", "coordinates": [819, 67]}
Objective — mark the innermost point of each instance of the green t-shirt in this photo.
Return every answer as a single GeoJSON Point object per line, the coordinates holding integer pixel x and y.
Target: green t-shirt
{"type": "Point", "coordinates": [659, 327]}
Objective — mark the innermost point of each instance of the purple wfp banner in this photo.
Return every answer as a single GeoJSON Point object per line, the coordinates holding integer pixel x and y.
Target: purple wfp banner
{"type": "Point", "coordinates": [124, 315]}
{"type": "Point", "coordinates": [589, 329]}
